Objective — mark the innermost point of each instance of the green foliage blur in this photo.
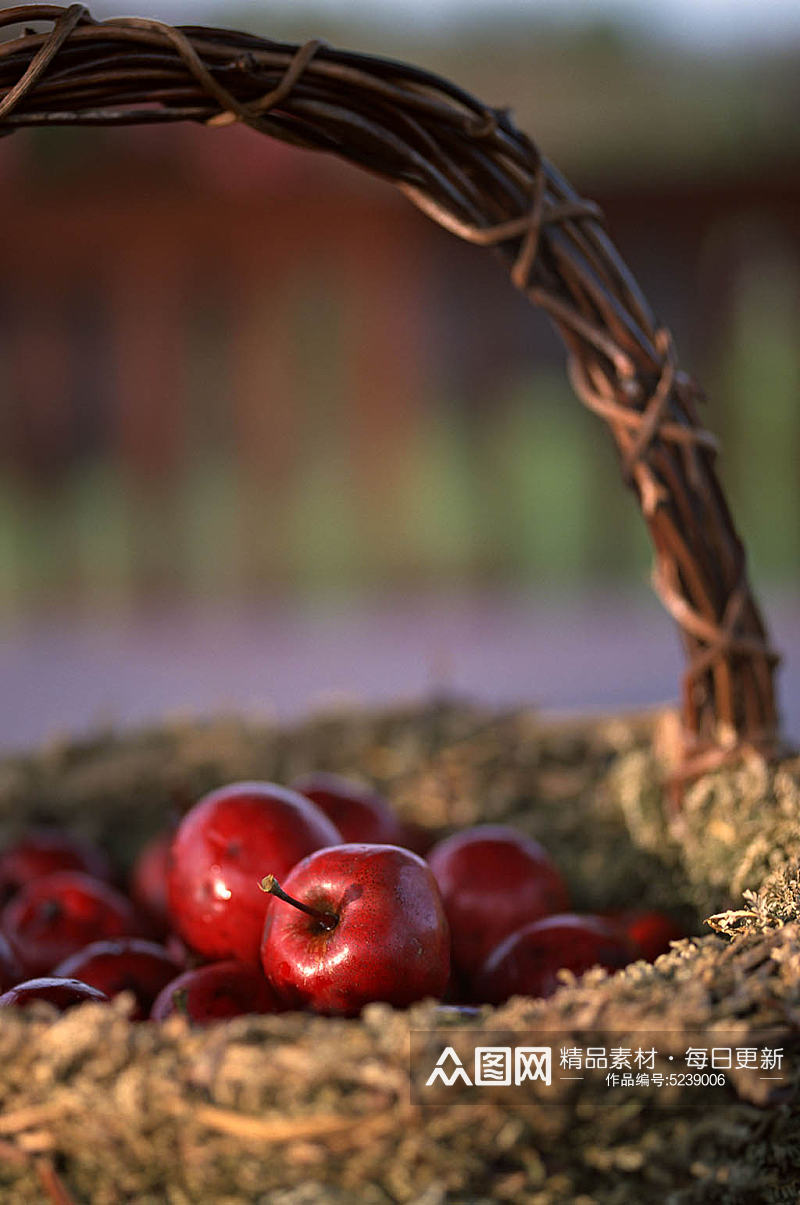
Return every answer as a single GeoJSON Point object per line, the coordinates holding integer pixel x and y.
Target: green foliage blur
{"type": "Point", "coordinates": [512, 483]}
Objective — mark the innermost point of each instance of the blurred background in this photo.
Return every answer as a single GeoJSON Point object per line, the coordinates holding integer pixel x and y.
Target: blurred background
{"type": "Point", "coordinates": [271, 438]}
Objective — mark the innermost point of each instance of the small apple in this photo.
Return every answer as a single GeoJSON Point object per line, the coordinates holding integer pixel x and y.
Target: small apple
{"type": "Point", "coordinates": [416, 837]}
{"type": "Point", "coordinates": [219, 853]}
{"type": "Point", "coordinates": [493, 879]}
{"type": "Point", "coordinates": [63, 993]}
{"type": "Point", "coordinates": [216, 991]}
{"type": "Point", "coordinates": [148, 881]}
{"type": "Point", "coordinates": [363, 922]}
{"type": "Point", "coordinates": [526, 962]}
{"type": "Point", "coordinates": [650, 932]}
{"type": "Point", "coordinates": [359, 813]}
{"type": "Point", "coordinates": [126, 965]}
{"type": "Point", "coordinates": [44, 850]}
{"type": "Point", "coordinates": [57, 915]}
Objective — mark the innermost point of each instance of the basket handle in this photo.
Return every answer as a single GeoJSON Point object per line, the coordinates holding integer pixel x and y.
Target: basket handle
{"type": "Point", "coordinates": [470, 169]}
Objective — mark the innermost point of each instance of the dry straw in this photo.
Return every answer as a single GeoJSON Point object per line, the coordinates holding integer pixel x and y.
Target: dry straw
{"type": "Point", "coordinates": [297, 1109]}
{"type": "Point", "coordinates": [470, 169]}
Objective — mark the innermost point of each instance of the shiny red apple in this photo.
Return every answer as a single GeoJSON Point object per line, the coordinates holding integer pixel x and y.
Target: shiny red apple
{"type": "Point", "coordinates": [527, 962]}
{"type": "Point", "coordinates": [355, 924]}
{"type": "Point", "coordinates": [493, 879]}
{"type": "Point", "coordinates": [57, 915]}
{"type": "Point", "coordinates": [216, 991]}
{"type": "Point", "coordinates": [218, 856]}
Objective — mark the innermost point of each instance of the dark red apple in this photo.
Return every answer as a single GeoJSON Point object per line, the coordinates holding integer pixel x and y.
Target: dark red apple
{"type": "Point", "coordinates": [416, 837]}
{"type": "Point", "coordinates": [218, 857]}
{"type": "Point", "coordinates": [526, 962]}
{"type": "Point", "coordinates": [43, 851]}
{"type": "Point", "coordinates": [358, 813]}
{"type": "Point", "coordinates": [493, 879]}
{"type": "Point", "coordinates": [129, 964]}
{"type": "Point", "coordinates": [57, 915]}
{"type": "Point", "coordinates": [216, 991]}
{"type": "Point", "coordinates": [148, 881]}
{"type": "Point", "coordinates": [354, 924]}
{"type": "Point", "coordinates": [63, 993]}
{"type": "Point", "coordinates": [650, 932]}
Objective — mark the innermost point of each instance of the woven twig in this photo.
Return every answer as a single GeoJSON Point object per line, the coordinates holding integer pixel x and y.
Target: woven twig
{"type": "Point", "coordinates": [468, 167]}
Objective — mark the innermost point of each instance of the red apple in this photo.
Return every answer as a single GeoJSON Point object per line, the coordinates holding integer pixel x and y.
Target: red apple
{"type": "Point", "coordinates": [129, 964]}
{"type": "Point", "coordinates": [63, 993]}
{"type": "Point", "coordinates": [57, 915]}
{"type": "Point", "coordinates": [43, 851]}
{"type": "Point", "coordinates": [650, 932]}
{"type": "Point", "coordinates": [218, 857]}
{"type": "Point", "coordinates": [493, 879]}
{"type": "Point", "coordinates": [356, 923]}
{"type": "Point", "coordinates": [358, 813]}
{"type": "Point", "coordinates": [416, 837]}
{"type": "Point", "coordinates": [148, 881]}
{"type": "Point", "coordinates": [526, 962]}
{"type": "Point", "coordinates": [216, 991]}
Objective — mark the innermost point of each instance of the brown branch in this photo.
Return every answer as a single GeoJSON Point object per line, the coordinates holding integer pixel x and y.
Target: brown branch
{"type": "Point", "coordinates": [469, 168]}
{"type": "Point", "coordinates": [277, 1130]}
{"type": "Point", "coordinates": [52, 1184]}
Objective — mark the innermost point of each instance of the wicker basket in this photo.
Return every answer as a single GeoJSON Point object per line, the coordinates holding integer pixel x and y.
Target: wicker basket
{"type": "Point", "coordinates": [302, 1109]}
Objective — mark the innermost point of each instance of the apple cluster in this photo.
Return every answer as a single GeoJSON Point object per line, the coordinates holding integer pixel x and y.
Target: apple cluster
{"type": "Point", "coordinates": [268, 898]}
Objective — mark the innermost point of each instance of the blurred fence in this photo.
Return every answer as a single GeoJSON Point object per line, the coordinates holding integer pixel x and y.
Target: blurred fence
{"type": "Point", "coordinates": [228, 368]}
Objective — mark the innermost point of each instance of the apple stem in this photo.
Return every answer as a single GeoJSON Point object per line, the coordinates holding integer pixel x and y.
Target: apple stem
{"type": "Point", "coordinates": [328, 920]}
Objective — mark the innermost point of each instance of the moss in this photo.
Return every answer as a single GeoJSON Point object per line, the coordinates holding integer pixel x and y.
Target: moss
{"type": "Point", "coordinates": [298, 1109]}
